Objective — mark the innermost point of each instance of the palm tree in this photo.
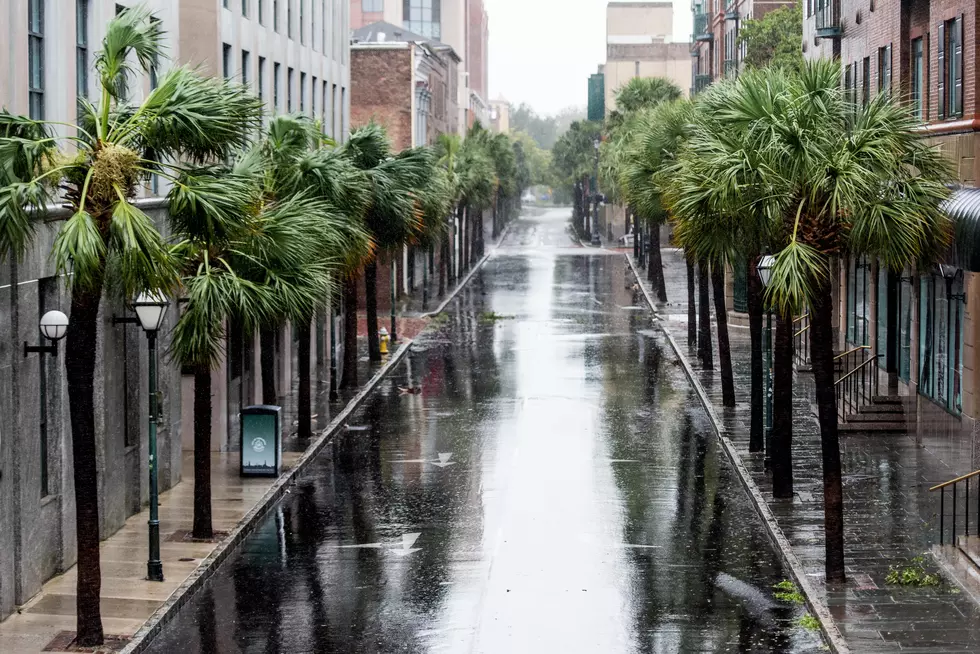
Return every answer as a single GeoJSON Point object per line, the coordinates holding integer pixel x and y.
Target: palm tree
{"type": "Point", "coordinates": [836, 178]}
{"type": "Point", "coordinates": [117, 147]}
{"type": "Point", "coordinates": [392, 218]}
{"type": "Point", "coordinates": [644, 93]}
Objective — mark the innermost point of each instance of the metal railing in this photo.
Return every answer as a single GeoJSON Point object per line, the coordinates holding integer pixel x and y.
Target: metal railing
{"type": "Point", "coordinates": [731, 10]}
{"type": "Point", "coordinates": [848, 360]}
{"type": "Point", "coordinates": [964, 521]}
{"type": "Point", "coordinates": [701, 82]}
{"type": "Point", "coordinates": [801, 339]}
{"type": "Point", "coordinates": [856, 387]}
{"type": "Point", "coordinates": [702, 27]}
{"type": "Point", "coordinates": [828, 19]}
{"type": "Point", "coordinates": [729, 67]}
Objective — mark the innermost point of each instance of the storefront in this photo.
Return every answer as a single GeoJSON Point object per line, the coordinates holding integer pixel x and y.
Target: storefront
{"type": "Point", "coordinates": [941, 311]}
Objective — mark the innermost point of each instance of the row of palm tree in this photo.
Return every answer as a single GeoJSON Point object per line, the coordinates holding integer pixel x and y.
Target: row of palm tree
{"type": "Point", "coordinates": [267, 217]}
{"type": "Point", "coordinates": [784, 162]}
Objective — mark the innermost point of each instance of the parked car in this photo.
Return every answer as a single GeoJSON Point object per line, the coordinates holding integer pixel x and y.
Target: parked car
{"type": "Point", "coordinates": [626, 241]}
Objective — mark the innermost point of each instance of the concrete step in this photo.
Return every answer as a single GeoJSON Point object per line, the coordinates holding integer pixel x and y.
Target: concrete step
{"type": "Point", "coordinates": [893, 399]}
{"type": "Point", "coordinates": [883, 409]}
{"type": "Point", "coordinates": [875, 426]}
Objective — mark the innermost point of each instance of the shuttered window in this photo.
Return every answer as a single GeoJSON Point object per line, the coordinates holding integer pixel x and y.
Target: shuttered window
{"type": "Point", "coordinates": [951, 68]}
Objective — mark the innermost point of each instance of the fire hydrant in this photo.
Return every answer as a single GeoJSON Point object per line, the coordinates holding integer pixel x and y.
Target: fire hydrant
{"type": "Point", "coordinates": [383, 339]}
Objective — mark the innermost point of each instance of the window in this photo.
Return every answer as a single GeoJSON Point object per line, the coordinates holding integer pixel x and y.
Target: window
{"type": "Point", "coordinates": [81, 50]}
{"type": "Point", "coordinates": [866, 82]}
{"type": "Point", "coordinates": [224, 3]}
{"type": "Point", "coordinates": [302, 31]}
{"type": "Point", "coordinates": [323, 111]}
{"type": "Point", "coordinates": [262, 79]}
{"type": "Point", "coordinates": [951, 68]}
{"type": "Point", "coordinates": [941, 310]}
{"type": "Point", "coordinates": [343, 113]}
{"type": "Point", "coordinates": [323, 26]}
{"type": "Point", "coordinates": [918, 77]}
{"type": "Point", "coordinates": [849, 83]}
{"type": "Point", "coordinates": [246, 62]}
{"type": "Point", "coordinates": [423, 17]}
{"type": "Point", "coordinates": [35, 58]}
{"type": "Point", "coordinates": [275, 15]}
{"type": "Point", "coordinates": [858, 301]}
{"type": "Point", "coordinates": [245, 8]}
{"type": "Point", "coordinates": [259, 13]}
{"type": "Point", "coordinates": [226, 60]}
{"type": "Point", "coordinates": [333, 115]}
{"type": "Point", "coordinates": [289, 18]}
{"type": "Point", "coordinates": [313, 98]}
{"type": "Point", "coordinates": [885, 69]}
{"type": "Point", "coordinates": [302, 92]}
{"type": "Point", "coordinates": [276, 77]}
{"type": "Point", "coordinates": [372, 5]}
{"type": "Point", "coordinates": [290, 74]}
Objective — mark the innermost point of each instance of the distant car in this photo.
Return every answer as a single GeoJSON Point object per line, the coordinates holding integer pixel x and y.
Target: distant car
{"type": "Point", "coordinates": [626, 241]}
{"type": "Point", "coordinates": [596, 241]}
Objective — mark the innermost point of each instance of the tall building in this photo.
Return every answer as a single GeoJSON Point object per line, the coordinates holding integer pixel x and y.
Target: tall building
{"type": "Point", "coordinates": [640, 43]}
{"type": "Point", "coordinates": [500, 114]}
{"type": "Point", "coordinates": [295, 55]}
{"type": "Point", "coordinates": [920, 321]}
{"type": "Point", "coordinates": [460, 24]}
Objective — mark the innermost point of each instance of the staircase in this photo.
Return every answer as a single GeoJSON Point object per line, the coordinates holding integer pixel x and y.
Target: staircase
{"type": "Point", "coordinates": [884, 414]}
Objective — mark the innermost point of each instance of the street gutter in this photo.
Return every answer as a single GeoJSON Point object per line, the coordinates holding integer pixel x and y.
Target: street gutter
{"type": "Point", "coordinates": [814, 602]}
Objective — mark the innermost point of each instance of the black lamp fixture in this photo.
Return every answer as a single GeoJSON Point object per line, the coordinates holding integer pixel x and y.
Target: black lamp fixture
{"type": "Point", "coordinates": [765, 266]}
{"type": "Point", "coordinates": [54, 326]}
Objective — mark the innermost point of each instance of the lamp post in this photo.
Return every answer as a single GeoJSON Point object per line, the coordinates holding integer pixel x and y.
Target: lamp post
{"type": "Point", "coordinates": [765, 267]}
{"type": "Point", "coordinates": [150, 309]}
{"type": "Point", "coordinates": [595, 193]}
{"type": "Point", "coordinates": [53, 326]}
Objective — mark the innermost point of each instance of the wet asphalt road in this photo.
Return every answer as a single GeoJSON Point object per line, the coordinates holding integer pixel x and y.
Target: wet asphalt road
{"type": "Point", "coordinates": [555, 488]}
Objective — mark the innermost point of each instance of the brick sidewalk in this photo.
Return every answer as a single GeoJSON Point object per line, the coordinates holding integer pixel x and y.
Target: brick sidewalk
{"type": "Point", "coordinates": [890, 516]}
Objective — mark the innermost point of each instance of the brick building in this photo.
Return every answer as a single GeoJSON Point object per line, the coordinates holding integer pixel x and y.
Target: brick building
{"type": "Point", "coordinates": [715, 52]}
{"type": "Point", "coordinates": [408, 83]}
{"type": "Point", "coordinates": [919, 321]}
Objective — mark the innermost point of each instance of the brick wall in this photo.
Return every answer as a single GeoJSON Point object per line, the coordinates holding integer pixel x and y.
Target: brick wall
{"type": "Point", "coordinates": [381, 90]}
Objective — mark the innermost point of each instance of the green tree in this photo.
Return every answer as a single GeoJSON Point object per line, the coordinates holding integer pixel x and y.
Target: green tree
{"type": "Point", "coordinates": [644, 93]}
{"type": "Point", "coordinates": [775, 39]}
{"type": "Point", "coordinates": [832, 178]}
{"type": "Point", "coordinates": [573, 161]}
{"type": "Point", "coordinates": [117, 146]}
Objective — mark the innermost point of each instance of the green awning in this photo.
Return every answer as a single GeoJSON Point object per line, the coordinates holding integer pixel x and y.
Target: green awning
{"type": "Point", "coordinates": [963, 207]}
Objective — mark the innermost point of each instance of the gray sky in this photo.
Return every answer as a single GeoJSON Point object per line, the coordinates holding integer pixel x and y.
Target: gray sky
{"type": "Point", "coordinates": [543, 51]}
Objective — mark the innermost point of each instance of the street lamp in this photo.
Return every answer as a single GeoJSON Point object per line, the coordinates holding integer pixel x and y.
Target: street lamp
{"type": "Point", "coordinates": [765, 266]}
{"type": "Point", "coordinates": [150, 309]}
{"type": "Point", "coordinates": [53, 326]}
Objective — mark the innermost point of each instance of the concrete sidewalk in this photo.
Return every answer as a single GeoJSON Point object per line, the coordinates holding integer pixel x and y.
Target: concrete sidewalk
{"type": "Point", "coordinates": [890, 517]}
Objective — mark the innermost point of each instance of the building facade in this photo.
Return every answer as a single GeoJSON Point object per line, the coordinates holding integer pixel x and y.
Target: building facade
{"type": "Point", "coordinates": [295, 54]}
{"type": "Point", "coordinates": [920, 321]}
{"type": "Point", "coordinates": [640, 43]}
{"type": "Point", "coordinates": [461, 24]}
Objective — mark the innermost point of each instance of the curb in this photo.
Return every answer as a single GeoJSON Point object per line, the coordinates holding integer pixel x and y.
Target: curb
{"type": "Point", "coordinates": [816, 605]}
{"type": "Point", "coordinates": [163, 615]}
{"type": "Point", "coordinates": [466, 280]}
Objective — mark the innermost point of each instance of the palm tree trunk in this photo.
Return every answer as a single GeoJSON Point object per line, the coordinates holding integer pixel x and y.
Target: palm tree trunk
{"type": "Point", "coordinates": [80, 355]}
{"type": "Point", "coordinates": [692, 305]}
{"type": "Point", "coordinates": [202, 453]}
{"type": "Point", "coordinates": [704, 317]}
{"type": "Point", "coordinates": [371, 300]}
{"type": "Point", "coordinates": [443, 254]}
{"type": "Point", "coordinates": [757, 398]}
{"type": "Point", "coordinates": [781, 456]}
{"type": "Point", "coordinates": [655, 271]}
{"type": "Point", "coordinates": [350, 333]}
{"type": "Point", "coordinates": [267, 358]}
{"type": "Point", "coordinates": [724, 347]}
{"type": "Point", "coordinates": [822, 356]}
{"type": "Point", "coordinates": [304, 412]}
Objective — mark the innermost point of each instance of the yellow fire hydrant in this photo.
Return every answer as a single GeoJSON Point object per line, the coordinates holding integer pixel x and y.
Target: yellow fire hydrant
{"type": "Point", "coordinates": [383, 338]}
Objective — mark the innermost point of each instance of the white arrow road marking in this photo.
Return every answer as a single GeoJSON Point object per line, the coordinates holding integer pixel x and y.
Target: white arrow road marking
{"type": "Point", "coordinates": [407, 541]}
{"type": "Point", "coordinates": [444, 460]}
{"type": "Point", "coordinates": [376, 546]}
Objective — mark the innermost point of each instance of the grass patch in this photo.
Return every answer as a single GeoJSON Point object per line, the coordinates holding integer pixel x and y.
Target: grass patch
{"type": "Point", "coordinates": [787, 591]}
{"type": "Point", "coordinates": [491, 316]}
{"type": "Point", "coordinates": [912, 574]}
{"type": "Point", "coordinates": [439, 319]}
{"type": "Point", "coordinates": [809, 622]}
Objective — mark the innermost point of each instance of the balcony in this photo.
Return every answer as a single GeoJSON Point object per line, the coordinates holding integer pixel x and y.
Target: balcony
{"type": "Point", "coordinates": [702, 28]}
{"type": "Point", "coordinates": [731, 10]}
{"type": "Point", "coordinates": [828, 20]}
{"type": "Point", "coordinates": [730, 68]}
{"type": "Point", "coordinates": [701, 82]}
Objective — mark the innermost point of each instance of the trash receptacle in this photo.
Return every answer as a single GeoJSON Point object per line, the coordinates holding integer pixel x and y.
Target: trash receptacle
{"type": "Point", "coordinates": [261, 441]}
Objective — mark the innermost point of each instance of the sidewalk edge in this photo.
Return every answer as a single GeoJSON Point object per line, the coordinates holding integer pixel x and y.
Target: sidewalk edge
{"type": "Point", "coordinates": [479, 264]}
{"type": "Point", "coordinates": [163, 615]}
{"type": "Point", "coordinates": [816, 605]}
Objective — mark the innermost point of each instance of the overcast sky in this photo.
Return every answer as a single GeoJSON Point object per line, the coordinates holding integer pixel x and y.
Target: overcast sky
{"type": "Point", "coordinates": [543, 51]}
